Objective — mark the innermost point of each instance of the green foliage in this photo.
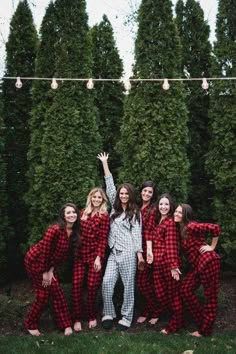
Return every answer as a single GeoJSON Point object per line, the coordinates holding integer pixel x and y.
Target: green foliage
{"type": "Point", "coordinates": [66, 167]}
{"type": "Point", "coordinates": [4, 225]}
{"type": "Point", "coordinates": [20, 61]}
{"type": "Point", "coordinates": [154, 130]}
{"type": "Point", "coordinates": [196, 57]}
{"type": "Point", "coordinates": [108, 95]}
{"type": "Point", "coordinates": [222, 152]}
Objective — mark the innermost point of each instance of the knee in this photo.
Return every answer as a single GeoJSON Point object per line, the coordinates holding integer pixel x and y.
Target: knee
{"type": "Point", "coordinates": [185, 291]}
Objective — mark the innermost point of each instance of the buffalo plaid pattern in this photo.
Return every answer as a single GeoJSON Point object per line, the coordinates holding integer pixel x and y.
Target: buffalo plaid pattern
{"type": "Point", "coordinates": [168, 296]}
{"type": "Point", "coordinates": [145, 278]}
{"type": "Point", "coordinates": [165, 244]}
{"type": "Point", "coordinates": [165, 241]}
{"type": "Point", "coordinates": [204, 315]}
{"type": "Point", "coordinates": [94, 231]}
{"type": "Point", "coordinates": [93, 282]}
{"type": "Point", "coordinates": [93, 235]}
{"type": "Point", "coordinates": [52, 250]}
{"type": "Point", "coordinates": [196, 234]}
{"type": "Point", "coordinates": [205, 270]}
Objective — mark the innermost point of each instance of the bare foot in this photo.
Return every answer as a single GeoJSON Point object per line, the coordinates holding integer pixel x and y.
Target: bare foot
{"type": "Point", "coordinates": [141, 319]}
{"type": "Point", "coordinates": [93, 324]}
{"type": "Point", "coordinates": [163, 331]}
{"type": "Point", "coordinates": [77, 327]}
{"type": "Point", "coordinates": [34, 332]}
{"type": "Point", "coordinates": [153, 321]}
{"type": "Point", "coordinates": [196, 334]}
{"type": "Point", "coordinates": [68, 331]}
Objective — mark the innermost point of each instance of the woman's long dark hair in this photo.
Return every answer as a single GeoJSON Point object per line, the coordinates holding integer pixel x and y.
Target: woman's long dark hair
{"type": "Point", "coordinates": [146, 184]}
{"type": "Point", "coordinates": [187, 216]}
{"type": "Point", "coordinates": [172, 206]}
{"type": "Point", "coordinates": [75, 228]}
{"type": "Point", "coordinates": [132, 208]}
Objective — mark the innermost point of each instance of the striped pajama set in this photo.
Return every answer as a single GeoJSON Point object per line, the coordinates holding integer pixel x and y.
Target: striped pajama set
{"type": "Point", "coordinates": [51, 251]}
{"type": "Point", "coordinates": [124, 240]}
{"type": "Point", "coordinates": [205, 269]}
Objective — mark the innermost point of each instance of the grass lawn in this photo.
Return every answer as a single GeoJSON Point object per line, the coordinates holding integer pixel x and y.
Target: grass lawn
{"type": "Point", "coordinates": [116, 342]}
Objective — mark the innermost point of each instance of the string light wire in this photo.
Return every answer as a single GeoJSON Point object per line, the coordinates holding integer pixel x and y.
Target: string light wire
{"type": "Point", "coordinates": [127, 82]}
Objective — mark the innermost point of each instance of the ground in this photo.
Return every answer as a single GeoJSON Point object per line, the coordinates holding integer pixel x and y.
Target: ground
{"type": "Point", "coordinates": [14, 307]}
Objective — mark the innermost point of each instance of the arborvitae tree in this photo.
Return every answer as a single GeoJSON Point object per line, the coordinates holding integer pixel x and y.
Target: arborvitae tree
{"type": "Point", "coordinates": [196, 57]}
{"type": "Point", "coordinates": [108, 95]}
{"type": "Point", "coordinates": [70, 140]}
{"type": "Point", "coordinates": [154, 130]}
{"type": "Point", "coordinates": [222, 153]}
{"type": "Point", "coordinates": [17, 103]}
{"type": "Point", "coordinates": [42, 100]}
{"type": "Point", "coordinates": [4, 225]}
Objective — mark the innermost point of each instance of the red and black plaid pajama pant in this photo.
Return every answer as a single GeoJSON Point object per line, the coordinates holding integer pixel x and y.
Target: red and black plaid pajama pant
{"type": "Point", "coordinates": [93, 282]}
{"type": "Point", "coordinates": [204, 315]}
{"type": "Point", "coordinates": [146, 287]}
{"type": "Point", "coordinates": [61, 311]}
{"type": "Point", "coordinates": [167, 291]}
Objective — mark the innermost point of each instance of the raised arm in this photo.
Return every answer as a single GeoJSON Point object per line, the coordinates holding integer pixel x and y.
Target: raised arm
{"type": "Point", "coordinates": [103, 157]}
{"type": "Point", "coordinates": [110, 186]}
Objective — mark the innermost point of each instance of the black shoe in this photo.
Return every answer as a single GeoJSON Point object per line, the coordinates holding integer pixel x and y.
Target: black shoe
{"type": "Point", "coordinates": [107, 324]}
{"type": "Point", "coordinates": [121, 327]}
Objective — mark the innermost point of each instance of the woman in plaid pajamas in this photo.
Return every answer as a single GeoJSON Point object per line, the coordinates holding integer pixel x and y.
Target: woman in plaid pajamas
{"type": "Point", "coordinates": [125, 242]}
{"type": "Point", "coordinates": [205, 268]}
{"type": "Point", "coordinates": [163, 250]}
{"type": "Point", "coordinates": [145, 276]}
{"type": "Point", "coordinates": [94, 227]}
{"type": "Point", "coordinates": [42, 261]}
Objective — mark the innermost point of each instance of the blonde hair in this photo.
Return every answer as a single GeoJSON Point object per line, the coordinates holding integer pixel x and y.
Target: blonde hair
{"type": "Point", "coordinates": [89, 207]}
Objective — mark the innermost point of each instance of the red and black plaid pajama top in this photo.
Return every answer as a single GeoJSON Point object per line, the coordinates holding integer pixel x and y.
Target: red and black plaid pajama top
{"type": "Point", "coordinates": [205, 270]}
{"type": "Point", "coordinates": [93, 235]}
{"type": "Point", "coordinates": [165, 245]}
{"type": "Point", "coordinates": [51, 251]}
{"type": "Point", "coordinates": [145, 277]}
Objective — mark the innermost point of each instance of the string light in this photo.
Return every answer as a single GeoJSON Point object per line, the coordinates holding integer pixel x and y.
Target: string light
{"type": "Point", "coordinates": [166, 85]}
{"type": "Point", "coordinates": [54, 84]}
{"type": "Point", "coordinates": [90, 84]}
{"type": "Point", "coordinates": [205, 84]}
{"type": "Point", "coordinates": [126, 82]}
{"type": "Point", "coordinates": [18, 83]}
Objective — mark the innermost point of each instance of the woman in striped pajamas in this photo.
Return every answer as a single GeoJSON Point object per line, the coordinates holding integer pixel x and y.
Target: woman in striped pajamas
{"type": "Point", "coordinates": [94, 227]}
{"type": "Point", "coordinates": [42, 261]}
{"type": "Point", "coordinates": [205, 268]}
{"type": "Point", "coordinates": [163, 250]}
{"type": "Point", "coordinates": [145, 276]}
{"type": "Point", "coordinates": [125, 242]}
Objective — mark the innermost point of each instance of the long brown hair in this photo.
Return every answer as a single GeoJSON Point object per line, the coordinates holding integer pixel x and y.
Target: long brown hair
{"type": "Point", "coordinates": [172, 206]}
{"type": "Point", "coordinates": [132, 208]}
{"type": "Point", "coordinates": [75, 228]}
{"type": "Point", "coordinates": [187, 216]}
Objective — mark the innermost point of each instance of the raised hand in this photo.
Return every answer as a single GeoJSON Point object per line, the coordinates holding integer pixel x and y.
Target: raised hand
{"type": "Point", "coordinates": [103, 156]}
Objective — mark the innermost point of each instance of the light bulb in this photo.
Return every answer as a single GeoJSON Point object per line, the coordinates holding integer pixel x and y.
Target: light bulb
{"type": "Point", "coordinates": [90, 84]}
{"type": "Point", "coordinates": [166, 85]}
{"type": "Point", "coordinates": [127, 85]}
{"type": "Point", "coordinates": [54, 84]}
{"type": "Point", "coordinates": [205, 84]}
{"type": "Point", "coordinates": [18, 83]}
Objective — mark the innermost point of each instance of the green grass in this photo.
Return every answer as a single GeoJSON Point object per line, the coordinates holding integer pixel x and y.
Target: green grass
{"type": "Point", "coordinates": [114, 342]}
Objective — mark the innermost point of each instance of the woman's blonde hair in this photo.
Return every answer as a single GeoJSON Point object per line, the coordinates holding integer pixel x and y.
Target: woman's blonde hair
{"type": "Point", "coordinates": [89, 207]}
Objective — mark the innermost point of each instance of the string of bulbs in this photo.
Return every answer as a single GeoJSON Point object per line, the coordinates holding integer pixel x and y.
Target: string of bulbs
{"type": "Point", "coordinates": [126, 82]}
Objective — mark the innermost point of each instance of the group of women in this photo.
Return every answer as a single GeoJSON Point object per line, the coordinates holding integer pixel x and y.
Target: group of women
{"type": "Point", "coordinates": [148, 237]}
